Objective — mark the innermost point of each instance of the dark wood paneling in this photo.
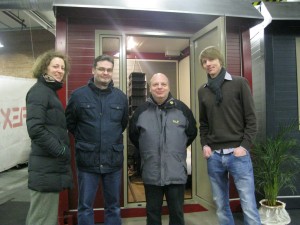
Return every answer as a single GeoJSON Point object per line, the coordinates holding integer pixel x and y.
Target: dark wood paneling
{"type": "Point", "coordinates": [81, 49]}
{"type": "Point", "coordinates": [233, 51]}
{"type": "Point", "coordinates": [246, 57]}
{"type": "Point", "coordinates": [60, 45]}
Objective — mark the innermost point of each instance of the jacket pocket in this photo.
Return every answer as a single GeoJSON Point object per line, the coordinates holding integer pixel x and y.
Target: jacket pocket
{"type": "Point", "coordinates": [87, 110]}
{"type": "Point", "coordinates": [117, 156]}
{"type": "Point", "coordinates": [116, 112]}
{"type": "Point", "coordinates": [86, 154]}
{"type": "Point", "coordinates": [150, 168]}
{"type": "Point", "coordinates": [176, 168]}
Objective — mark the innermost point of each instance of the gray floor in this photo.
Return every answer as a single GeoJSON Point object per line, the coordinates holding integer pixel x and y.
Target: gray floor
{"type": "Point", "coordinates": [14, 204]}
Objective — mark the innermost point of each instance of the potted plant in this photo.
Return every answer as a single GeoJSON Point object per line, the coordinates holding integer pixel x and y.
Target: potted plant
{"type": "Point", "coordinates": [275, 167]}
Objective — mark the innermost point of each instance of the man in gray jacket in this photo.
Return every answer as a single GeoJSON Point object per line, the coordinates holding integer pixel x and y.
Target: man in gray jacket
{"type": "Point", "coordinates": [161, 129]}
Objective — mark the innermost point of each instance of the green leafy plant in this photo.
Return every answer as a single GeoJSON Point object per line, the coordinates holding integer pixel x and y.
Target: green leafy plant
{"type": "Point", "coordinates": [275, 166]}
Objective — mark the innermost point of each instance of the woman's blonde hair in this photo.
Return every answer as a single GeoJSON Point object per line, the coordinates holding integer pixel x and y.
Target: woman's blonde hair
{"type": "Point", "coordinates": [43, 61]}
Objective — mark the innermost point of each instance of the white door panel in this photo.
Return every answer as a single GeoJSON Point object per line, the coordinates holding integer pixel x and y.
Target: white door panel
{"type": "Point", "coordinates": [211, 35]}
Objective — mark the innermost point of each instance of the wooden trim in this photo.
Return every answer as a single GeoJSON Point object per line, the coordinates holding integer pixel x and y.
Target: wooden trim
{"type": "Point", "coordinates": [246, 57]}
{"type": "Point", "coordinates": [60, 45]}
{"type": "Point", "coordinates": [298, 74]}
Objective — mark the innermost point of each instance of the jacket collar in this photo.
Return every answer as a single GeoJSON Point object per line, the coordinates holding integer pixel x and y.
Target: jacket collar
{"type": "Point", "coordinates": [92, 85]}
{"type": "Point", "coordinates": [169, 103]}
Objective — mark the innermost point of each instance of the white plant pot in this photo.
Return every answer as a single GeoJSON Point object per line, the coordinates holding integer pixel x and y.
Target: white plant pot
{"type": "Point", "coordinates": [273, 215]}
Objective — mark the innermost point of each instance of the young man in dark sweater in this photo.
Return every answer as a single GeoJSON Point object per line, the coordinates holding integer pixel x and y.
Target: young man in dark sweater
{"type": "Point", "coordinates": [227, 129]}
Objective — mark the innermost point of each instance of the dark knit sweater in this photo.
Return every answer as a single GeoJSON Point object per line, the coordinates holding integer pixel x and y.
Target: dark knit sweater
{"type": "Point", "coordinates": [233, 122]}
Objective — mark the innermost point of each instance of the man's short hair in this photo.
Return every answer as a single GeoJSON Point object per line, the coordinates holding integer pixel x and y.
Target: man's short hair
{"type": "Point", "coordinates": [103, 58]}
{"type": "Point", "coordinates": [211, 53]}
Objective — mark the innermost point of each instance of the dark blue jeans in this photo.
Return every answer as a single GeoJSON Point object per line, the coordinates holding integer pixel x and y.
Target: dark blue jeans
{"type": "Point", "coordinates": [175, 197]}
{"type": "Point", "coordinates": [87, 188]}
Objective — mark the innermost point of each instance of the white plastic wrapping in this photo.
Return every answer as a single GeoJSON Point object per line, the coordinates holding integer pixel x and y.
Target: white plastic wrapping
{"type": "Point", "coordinates": [274, 215]}
{"type": "Point", "coordinates": [14, 139]}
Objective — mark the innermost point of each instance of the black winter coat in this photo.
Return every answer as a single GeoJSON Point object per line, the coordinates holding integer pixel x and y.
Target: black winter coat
{"type": "Point", "coordinates": [49, 160]}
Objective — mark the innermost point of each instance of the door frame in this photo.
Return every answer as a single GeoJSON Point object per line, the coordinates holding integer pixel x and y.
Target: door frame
{"type": "Point", "coordinates": [217, 26]}
{"type": "Point", "coordinates": [214, 34]}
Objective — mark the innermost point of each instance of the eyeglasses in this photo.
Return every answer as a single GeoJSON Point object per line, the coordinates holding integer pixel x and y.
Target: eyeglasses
{"type": "Point", "coordinates": [102, 69]}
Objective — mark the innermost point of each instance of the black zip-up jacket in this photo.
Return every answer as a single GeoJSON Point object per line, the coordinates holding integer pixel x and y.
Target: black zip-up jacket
{"type": "Point", "coordinates": [97, 119]}
{"type": "Point", "coordinates": [49, 165]}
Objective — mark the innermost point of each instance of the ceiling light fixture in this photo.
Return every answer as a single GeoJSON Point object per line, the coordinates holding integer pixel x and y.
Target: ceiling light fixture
{"type": "Point", "coordinates": [1, 45]}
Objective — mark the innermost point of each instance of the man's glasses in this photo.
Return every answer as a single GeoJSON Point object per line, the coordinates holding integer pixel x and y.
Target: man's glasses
{"type": "Point", "coordinates": [102, 69]}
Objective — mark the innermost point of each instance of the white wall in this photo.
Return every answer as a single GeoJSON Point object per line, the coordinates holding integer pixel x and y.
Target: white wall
{"type": "Point", "coordinates": [184, 85]}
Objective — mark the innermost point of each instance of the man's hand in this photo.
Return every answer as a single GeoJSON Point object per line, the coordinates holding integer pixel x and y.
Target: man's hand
{"type": "Point", "coordinates": [206, 151]}
{"type": "Point", "coordinates": [239, 151]}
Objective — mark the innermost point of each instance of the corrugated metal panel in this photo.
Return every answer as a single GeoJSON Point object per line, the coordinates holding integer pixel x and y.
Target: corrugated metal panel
{"type": "Point", "coordinates": [235, 8]}
{"type": "Point", "coordinates": [283, 93]}
{"type": "Point", "coordinates": [281, 80]}
{"type": "Point", "coordinates": [26, 4]}
{"type": "Point", "coordinates": [259, 83]}
{"type": "Point", "coordinates": [285, 79]}
{"type": "Point", "coordinates": [284, 10]}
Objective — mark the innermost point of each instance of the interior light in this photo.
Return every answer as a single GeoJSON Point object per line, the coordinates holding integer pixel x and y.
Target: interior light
{"type": "Point", "coordinates": [1, 45]}
{"type": "Point", "coordinates": [131, 43]}
{"type": "Point", "coordinates": [155, 33]}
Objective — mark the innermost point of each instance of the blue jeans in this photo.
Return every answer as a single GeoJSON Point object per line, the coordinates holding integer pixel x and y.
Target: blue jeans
{"type": "Point", "coordinates": [240, 168]}
{"type": "Point", "coordinates": [87, 189]}
{"type": "Point", "coordinates": [175, 197]}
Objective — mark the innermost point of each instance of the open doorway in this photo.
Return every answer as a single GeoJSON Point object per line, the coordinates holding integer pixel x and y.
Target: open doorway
{"type": "Point", "coordinates": [147, 55]}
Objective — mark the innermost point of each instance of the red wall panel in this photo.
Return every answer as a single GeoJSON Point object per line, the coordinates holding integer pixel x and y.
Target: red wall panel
{"type": "Point", "coordinates": [233, 51]}
{"type": "Point", "coordinates": [81, 49]}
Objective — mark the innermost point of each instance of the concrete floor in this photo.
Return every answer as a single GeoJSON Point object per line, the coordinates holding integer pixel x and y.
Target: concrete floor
{"type": "Point", "coordinates": [14, 204]}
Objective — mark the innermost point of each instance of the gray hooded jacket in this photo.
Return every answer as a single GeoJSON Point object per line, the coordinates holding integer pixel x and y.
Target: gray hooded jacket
{"type": "Point", "coordinates": [161, 135]}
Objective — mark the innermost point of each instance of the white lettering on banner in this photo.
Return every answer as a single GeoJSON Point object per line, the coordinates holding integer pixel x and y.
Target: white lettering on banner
{"type": "Point", "coordinates": [14, 139]}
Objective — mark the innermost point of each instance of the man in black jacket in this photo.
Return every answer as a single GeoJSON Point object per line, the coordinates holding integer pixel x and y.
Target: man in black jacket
{"type": "Point", "coordinates": [97, 115]}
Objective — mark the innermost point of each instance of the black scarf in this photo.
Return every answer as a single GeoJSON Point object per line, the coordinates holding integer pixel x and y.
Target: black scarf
{"type": "Point", "coordinates": [51, 82]}
{"type": "Point", "coordinates": [214, 84]}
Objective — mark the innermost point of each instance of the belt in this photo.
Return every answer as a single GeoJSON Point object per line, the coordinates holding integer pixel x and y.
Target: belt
{"type": "Point", "coordinates": [225, 151]}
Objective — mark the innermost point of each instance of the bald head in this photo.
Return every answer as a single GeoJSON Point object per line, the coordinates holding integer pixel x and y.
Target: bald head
{"type": "Point", "coordinates": [158, 76]}
{"type": "Point", "coordinates": [159, 87]}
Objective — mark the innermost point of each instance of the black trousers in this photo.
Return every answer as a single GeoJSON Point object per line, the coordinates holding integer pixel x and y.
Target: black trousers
{"type": "Point", "coordinates": [174, 194]}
